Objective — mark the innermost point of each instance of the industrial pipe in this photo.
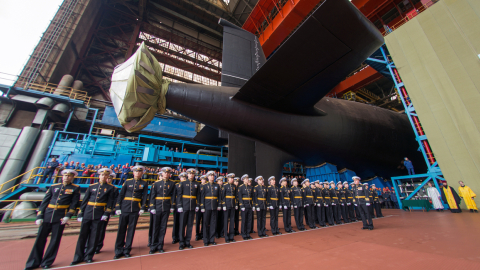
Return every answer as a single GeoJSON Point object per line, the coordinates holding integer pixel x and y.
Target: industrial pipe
{"type": "Point", "coordinates": [218, 153]}
{"type": "Point", "coordinates": [18, 156]}
{"type": "Point", "coordinates": [39, 152]}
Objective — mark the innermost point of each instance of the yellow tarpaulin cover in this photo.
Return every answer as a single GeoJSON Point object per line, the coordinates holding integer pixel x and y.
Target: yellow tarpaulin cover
{"type": "Point", "coordinates": [138, 90]}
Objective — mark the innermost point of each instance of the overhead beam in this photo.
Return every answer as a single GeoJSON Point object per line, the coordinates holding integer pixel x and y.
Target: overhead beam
{"type": "Point", "coordinates": [180, 16]}
{"type": "Point", "coordinates": [360, 79]}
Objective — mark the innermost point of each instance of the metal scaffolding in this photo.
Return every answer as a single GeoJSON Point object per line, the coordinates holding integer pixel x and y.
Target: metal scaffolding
{"type": "Point", "coordinates": [433, 173]}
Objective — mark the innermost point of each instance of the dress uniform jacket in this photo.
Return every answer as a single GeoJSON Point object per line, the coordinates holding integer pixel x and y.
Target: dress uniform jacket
{"type": "Point", "coordinates": [274, 195]}
{"type": "Point", "coordinates": [297, 196]}
{"type": "Point", "coordinates": [319, 196]}
{"type": "Point", "coordinates": [341, 196]}
{"type": "Point", "coordinates": [98, 201]}
{"type": "Point", "coordinates": [187, 192]}
{"type": "Point", "coordinates": [133, 196]}
{"type": "Point", "coordinates": [260, 197]}
{"type": "Point", "coordinates": [285, 196]}
{"type": "Point", "coordinates": [361, 195]}
{"type": "Point", "coordinates": [327, 200]}
{"type": "Point", "coordinates": [308, 196]}
{"type": "Point", "coordinates": [348, 195]}
{"type": "Point", "coordinates": [161, 195]}
{"type": "Point", "coordinates": [333, 196]}
{"type": "Point", "coordinates": [60, 201]}
{"type": "Point", "coordinates": [210, 196]}
{"type": "Point", "coordinates": [245, 196]}
{"type": "Point", "coordinates": [229, 195]}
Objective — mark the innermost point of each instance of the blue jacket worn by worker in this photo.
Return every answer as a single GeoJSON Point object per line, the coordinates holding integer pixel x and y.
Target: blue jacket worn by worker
{"type": "Point", "coordinates": [408, 164]}
{"type": "Point", "coordinates": [51, 165]}
{"type": "Point", "coordinates": [393, 197]}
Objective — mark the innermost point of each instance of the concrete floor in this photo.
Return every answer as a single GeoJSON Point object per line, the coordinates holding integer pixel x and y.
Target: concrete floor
{"type": "Point", "coordinates": [401, 240]}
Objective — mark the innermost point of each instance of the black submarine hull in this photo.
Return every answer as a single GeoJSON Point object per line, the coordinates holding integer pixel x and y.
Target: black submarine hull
{"type": "Point", "coordinates": [366, 139]}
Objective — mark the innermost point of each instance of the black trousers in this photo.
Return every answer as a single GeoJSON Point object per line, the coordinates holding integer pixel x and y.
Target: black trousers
{"type": "Point", "coordinates": [101, 234]}
{"type": "Point", "coordinates": [151, 227]}
{"type": "Point", "coordinates": [357, 213]}
{"type": "Point", "coordinates": [305, 215]}
{"type": "Point", "coordinates": [310, 216]}
{"type": "Point", "coordinates": [89, 231]}
{"type": "Point", "coordinates": [48, 173]}
{"type": "Point", "coordinates": [209, 226]}
{"type": "Point", "coordinates": [287, 219]}
{"type": "Point", "coordinates": [351, 212]}
{"type": "Point", "coordinates": [316, 214]}
{"type": "Point", "coordinates": [298, 213]}
{"type": "Point", "coordinates": [274, 220]}
{"type": "Point", "coordinates": [365, 214]}
{"type": "Point", "coordinates": [261, 222]}
{"type": "Point", "coordinates": [160, 229]}
{"type": "Point", "coordinates": [388, 204]}
{"type": "Point", "coordinates": [252, 221]}
{"type": "Point", "coordinates": [126, 226]}
{"type": "Point", "coordinates": [395, 205]}
{"type": "Point", "coordinates": [336, 213]}
{"type": "Point", "coordinates": [247, 218]}
{"type": "Point", "coordinates": [370, 210]}
{"type": "Point", "coordinates": [198, 224]}
{"type": "Point", "coordinates": [176, 225]}
{"type": "Point", "coordinates": [219, 230]}
{"type": "Point", "coordinates": [186, 221]}
{"type": "Point", "coordinates": [37, 257]}
{"type": "Point", "coordinates": [343, 211]}
{"type": "Point", "coordinates": [378, 209]}
{"type": "Point", "coordinates": [228, 223]}
{"type": "Point", "coordinates": [237, 221]}
{"type": "Point", "coordinates": [329, 214]}
{"type": "Point", "coordinates": [321, 215]}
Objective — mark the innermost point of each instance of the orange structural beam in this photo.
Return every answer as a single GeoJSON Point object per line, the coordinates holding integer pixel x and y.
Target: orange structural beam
{"type": "Point", "coordinates": [290, 15]}
{"type": "Point", "coordinates": [359, 80]}
{"type": "Point", "coordinates": [258, 15]}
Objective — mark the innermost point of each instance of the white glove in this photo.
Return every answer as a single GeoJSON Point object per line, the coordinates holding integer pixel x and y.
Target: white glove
{"type": "Point", "coordinates": [243, 209]}
{"type": "Point", "coordinates": [203, 210]}
{"type": "Point", "coordinates": [118, 212]}
{"type": "Point", "coordinates": [258, 209]}
{"type": "Point", "coordinates": [79, 219]}
{"type": "Point", "coordinates": [104, 218]}
{"type": "Point", "coordinates": [180, 210]}
{"type": "Point", "coordinates": [65, 220]}
{"type": "Point", "coordinates": [307, 204]}
{"type": "Point", "coordinates": [196, 209]}
{"type": "Point", "coordinates": [271, 207]}
{"type": "Point", "coordinates": [219, 208]}
{"type": "Point", "coordinates": [224, 208]}
{"type": "Point", "coordinates": [319, 205]}
{"type": "Point", "coordinates": [39, 222]}
{"type": "Point", "coordinates": [348, 203]}
{"type": "Point", "coordinates": [153, 211]}
{"type": "Point", "coordinates": [141, 212]}
{"type": "Point", "coordinates": [333, 204]}
{"type": "Point", "coordinates": [236, 207]}
{"type": "Point", "coordinates": [171, 210]}
{"type": "Point", "coordinates": [355, 205]}
{"type": "Point", "coordinates": [326, 205]}
{"type": "Point", "coordinates": [295, 206]}
{"type": "Point", "coordinates": [368, 204]}
{"type": "Point", "coordinates": [343, 204]}
{"type": "Point", "coordinates": [285, 207]}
